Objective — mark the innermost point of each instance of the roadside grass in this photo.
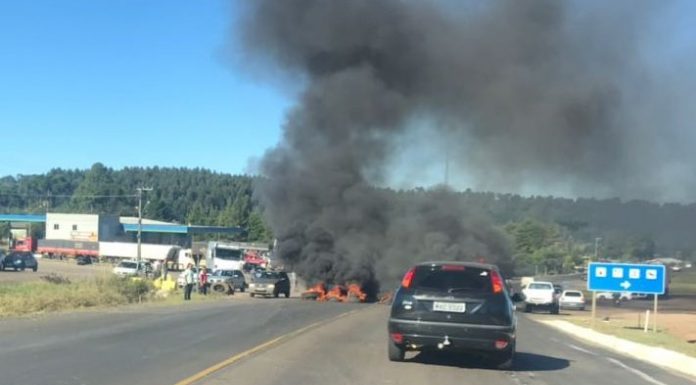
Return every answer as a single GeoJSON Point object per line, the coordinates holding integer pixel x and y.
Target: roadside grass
{"type": "Point", "coordinates": [629, 330]}
{"type": "Point", "coordinates": [683, 282]}
{"type": "Point", "coordinates": [55, 293]}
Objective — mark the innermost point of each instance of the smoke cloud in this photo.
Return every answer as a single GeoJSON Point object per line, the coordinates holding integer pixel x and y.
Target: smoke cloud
{"type": "Point", "coordinates": [516, 93]}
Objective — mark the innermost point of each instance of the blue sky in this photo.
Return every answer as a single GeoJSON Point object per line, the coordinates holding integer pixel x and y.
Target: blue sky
{"type": "Point", "coordinates": [128, 83]}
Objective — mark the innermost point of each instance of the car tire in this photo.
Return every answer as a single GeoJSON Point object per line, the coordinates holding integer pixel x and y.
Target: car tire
{"type": "Point", "coordinates": [251, 295]}
{"type": "Point", "coordinates": [241, 289]}
{"type": "Point", "coordinates": [35, 269]}
{"type": "Point", "coordinates": [287, 294]}
{"type": "Point", "coordinates": [396, 354]}
{"type": "Point", "coordinates": [527, 308]}
{"type": "Point", "coordinates": [220, 288]}
{"type": "Point", "coordinates": [505, 361]}
{"type": "Point", "coordinates": [276, 294]}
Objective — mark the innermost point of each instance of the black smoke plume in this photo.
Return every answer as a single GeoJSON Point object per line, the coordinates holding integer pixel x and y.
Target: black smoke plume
{"type": "Point", "coordinates": [518, 91]}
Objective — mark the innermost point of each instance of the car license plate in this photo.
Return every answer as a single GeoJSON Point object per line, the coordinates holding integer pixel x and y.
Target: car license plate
{"type": "Point", "coordinates": [453, 307]}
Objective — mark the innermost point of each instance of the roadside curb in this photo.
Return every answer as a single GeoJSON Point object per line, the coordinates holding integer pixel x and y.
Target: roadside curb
{"type": "Point", "coordinates": [654, 355]}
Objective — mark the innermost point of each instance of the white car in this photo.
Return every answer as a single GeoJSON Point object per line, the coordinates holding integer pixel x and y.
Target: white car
{"type": "Point", "coordinates": [572, 299]}
{"type": "Point", "coordinates": [540, 295]}
{"type": "Point", "coordinates": [132, 268]}
{"type": "Point", "coordinates": [623, 296]}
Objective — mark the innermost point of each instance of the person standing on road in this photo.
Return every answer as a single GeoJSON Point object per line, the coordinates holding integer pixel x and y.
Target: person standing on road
{"type": "Point", "coordinates": [203, 281]}
{"type": "Point", "coordinates": [188, 282]}
{"type": "Point", "coordinates": [164, 270]}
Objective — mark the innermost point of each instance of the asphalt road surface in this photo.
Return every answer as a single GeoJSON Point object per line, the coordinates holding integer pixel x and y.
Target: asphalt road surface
{"type": "Point", "coordinates": [352, 350]}
{"type": "Point", "coordinates": [161, 346]}
{"type": "Point", "coordinates": [145, 345]}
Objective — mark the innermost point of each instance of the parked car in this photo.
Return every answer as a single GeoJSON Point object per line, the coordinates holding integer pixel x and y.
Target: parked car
{"type": "Point", "coordinates": [453, 306]}
{"type": "Point", "coordinates": [83, 260]}
{"type": "Point", "coordinates": [269, 283]}
{"type": "Point", "coordinates": [234, 278]}
{"type": "Point", "coordinates": [623, 296]}
{"type": "Point", "coordinates": [572, 299]}
{"type": "Point", "coordinates": [132, 268]}
{"type": "Point", "coordinates": [19, 260]}
{"type": "Point", "coordinates": [540, 295]}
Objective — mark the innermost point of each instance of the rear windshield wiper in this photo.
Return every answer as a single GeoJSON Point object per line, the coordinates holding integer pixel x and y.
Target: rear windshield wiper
{"type": "Point", "coordinates": [458, 289]}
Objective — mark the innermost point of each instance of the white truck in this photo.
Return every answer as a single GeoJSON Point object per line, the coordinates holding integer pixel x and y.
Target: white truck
{"type": "Point", "coordinates": [119, 251]}
{"type": "Point", "coordinates": [539, 294]}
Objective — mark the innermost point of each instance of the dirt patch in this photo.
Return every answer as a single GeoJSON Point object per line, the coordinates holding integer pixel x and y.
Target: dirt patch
{"type": "Point", "coordinates": [680, 325]}
{"type": "Point", "coordinates": [68, 269]}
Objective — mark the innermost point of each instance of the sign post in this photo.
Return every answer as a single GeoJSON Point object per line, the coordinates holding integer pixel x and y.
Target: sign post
{"type": "Point", "coordinates": [655, 316]}
{"type": "Point", "coordinates": [626, 277]}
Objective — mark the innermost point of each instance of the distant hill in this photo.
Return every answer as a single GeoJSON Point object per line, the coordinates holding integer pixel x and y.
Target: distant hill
{"type": "Point", "coordinates": [200, 196]}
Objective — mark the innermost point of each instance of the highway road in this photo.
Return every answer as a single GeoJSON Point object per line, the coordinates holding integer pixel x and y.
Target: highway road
{"type": "Point", "coordinates": [162, 346]}
{"type": "Point", "coordinates": [150, 345]}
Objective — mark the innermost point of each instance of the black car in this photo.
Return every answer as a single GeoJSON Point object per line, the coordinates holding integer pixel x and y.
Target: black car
{"type": "Point", "coordinates": [454, 306]}
{"type": "Point", "coordinates": [268, 283]}
{"type": "Point", "coordinates": [83, 260]}
{"type": "Point", "coordinates": [19, 261]}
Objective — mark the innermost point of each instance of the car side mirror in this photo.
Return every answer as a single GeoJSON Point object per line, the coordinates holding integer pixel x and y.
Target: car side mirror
{"type": "Point", "coordinates": [517, 297]}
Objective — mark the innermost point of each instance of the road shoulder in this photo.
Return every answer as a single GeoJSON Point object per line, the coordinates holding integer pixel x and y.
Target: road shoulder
{"type": "Point", "coordinates": [654, 355]}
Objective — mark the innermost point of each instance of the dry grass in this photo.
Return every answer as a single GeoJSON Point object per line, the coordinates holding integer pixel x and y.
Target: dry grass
{"type": "Point", "coordinates": [629, 330]}
{"type": "Point", "coordinates": [55, 293]}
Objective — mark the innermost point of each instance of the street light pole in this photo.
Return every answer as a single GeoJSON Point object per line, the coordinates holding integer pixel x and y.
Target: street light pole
{"type": "Point", "coordinates": [140, 218]}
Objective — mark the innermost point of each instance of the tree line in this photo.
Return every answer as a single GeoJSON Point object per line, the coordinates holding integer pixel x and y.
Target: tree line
{"type": "Point", "coordinates": [548, 232]}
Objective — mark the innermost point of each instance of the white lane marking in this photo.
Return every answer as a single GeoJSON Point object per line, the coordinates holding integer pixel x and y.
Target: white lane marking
{"type": "Point", "coordinates": [635, 371]}
{"type": "Point", "coordinates": [582, 350]}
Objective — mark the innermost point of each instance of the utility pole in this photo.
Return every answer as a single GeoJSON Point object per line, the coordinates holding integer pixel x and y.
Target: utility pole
{"type": "Point", "coordinates": [140, 218]}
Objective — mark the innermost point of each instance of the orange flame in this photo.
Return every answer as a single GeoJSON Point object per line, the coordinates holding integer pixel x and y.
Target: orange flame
{"type": "Point", "coordinates": [338, 293]}
{"type": "Point", "coordinates": [316, 292]}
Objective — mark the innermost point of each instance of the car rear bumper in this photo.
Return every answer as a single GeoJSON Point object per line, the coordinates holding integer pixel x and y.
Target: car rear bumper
{"type": "Point", "coordinates": [572, 305]}
{"type": "Point", "coordinates": [541, 304]}
{"type": "Point", "coordinates": [420, 335]}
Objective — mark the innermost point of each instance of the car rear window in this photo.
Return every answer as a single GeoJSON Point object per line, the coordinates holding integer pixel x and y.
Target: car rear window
{"type": "Point", "coordinates": [128, 265]}
{"type": "Point", "coordinates": [573, 294]}
{"type": "Point", "coordinates": [451, 279]}
{"type": "Point", "coordinates": [542, 286]}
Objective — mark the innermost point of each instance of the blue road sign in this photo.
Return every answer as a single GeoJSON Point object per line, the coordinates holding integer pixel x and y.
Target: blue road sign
{"type": "Point", "coordinates": [620, 277]}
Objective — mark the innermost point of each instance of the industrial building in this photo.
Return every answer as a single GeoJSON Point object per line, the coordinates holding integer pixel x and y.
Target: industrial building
{"type": "Point", "coordinates": [109, 236]}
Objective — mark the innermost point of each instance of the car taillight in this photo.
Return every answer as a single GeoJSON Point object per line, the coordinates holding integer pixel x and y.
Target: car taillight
{"type": "Point", "coordinates": [408, 278]}
{"type": "Point", "coordinates": [397, 337]}
{"type": "Point", "coordinates": [496, 282]}
{"type": "Point", "coordinates": [501, 344]}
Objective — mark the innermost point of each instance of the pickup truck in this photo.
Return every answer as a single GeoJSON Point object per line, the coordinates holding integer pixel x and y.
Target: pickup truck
{"type": "Point", "coordinates": [540, 295]}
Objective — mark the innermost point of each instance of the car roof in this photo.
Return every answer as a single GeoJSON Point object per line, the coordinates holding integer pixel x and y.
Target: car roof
{"type": "Point", "coordinates": [459, 263]}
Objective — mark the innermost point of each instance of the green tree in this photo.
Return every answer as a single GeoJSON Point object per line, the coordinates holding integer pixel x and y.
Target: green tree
{"type": "Point", "coordinates": [98, 193]}
{"type": "Point", "coordinates": [257, 229]}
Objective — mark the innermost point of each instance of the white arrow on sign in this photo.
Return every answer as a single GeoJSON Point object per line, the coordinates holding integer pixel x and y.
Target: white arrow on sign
{"type": "Point", "coordinates": [625, 285]}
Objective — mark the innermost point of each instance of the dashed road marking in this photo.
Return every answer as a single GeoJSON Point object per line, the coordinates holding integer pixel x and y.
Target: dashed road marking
{"type": "Point", "coordinates": [637, 372]}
